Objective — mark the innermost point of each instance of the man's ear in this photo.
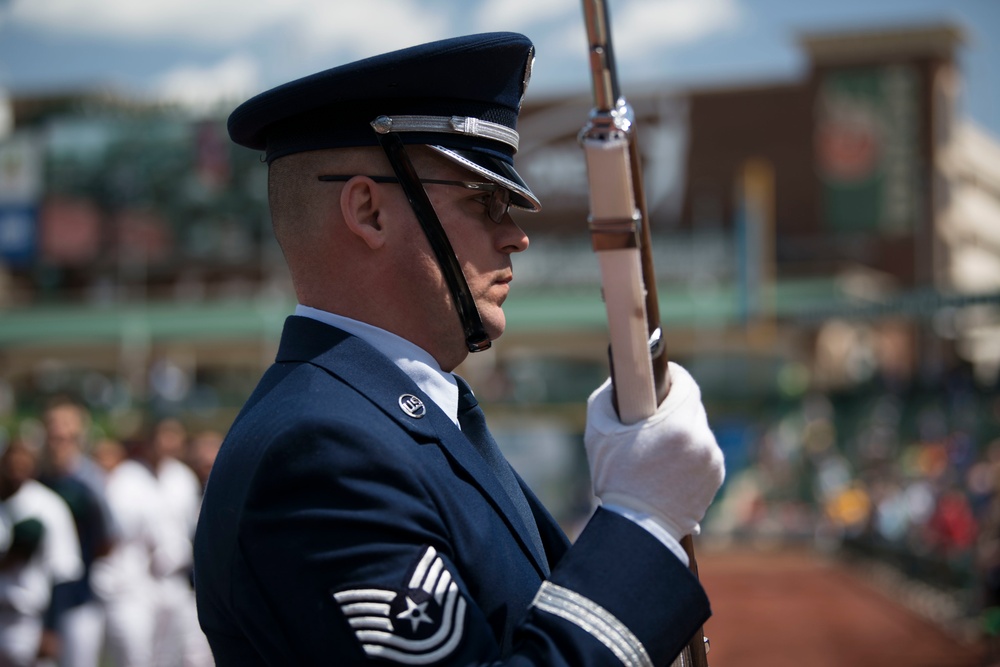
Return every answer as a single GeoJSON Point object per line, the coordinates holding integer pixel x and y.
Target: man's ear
{"type": "Point", "coordinates": [360, 205]}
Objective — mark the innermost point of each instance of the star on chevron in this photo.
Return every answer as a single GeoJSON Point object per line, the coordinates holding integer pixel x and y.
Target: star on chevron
{"type": "Point", "coordinates": [416, 613]}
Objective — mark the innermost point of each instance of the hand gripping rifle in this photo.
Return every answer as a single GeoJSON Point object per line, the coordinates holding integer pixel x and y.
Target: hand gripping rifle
{"type": "Point", "coordinates": [619, 232]}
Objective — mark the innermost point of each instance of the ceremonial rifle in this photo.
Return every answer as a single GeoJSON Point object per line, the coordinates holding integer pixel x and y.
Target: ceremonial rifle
{"type": "Point", "coordinates": [619, 232]}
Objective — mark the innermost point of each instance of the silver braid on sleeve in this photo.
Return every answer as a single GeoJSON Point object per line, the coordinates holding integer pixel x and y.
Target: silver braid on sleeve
{"type": "Point", "coordinates": [594, 619]}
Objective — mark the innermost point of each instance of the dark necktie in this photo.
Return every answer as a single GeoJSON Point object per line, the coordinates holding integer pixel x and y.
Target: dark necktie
{"type": "Point", "coordinates": [473, 423]}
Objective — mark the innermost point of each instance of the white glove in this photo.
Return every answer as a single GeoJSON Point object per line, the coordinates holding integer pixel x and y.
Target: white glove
{"type": "Point", "coordinates": [668, 465]}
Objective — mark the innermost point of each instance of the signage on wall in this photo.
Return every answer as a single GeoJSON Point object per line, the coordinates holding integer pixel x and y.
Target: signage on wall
{"type": "Point", "coordinates": [867, 148]}
{"type": "Point", "coordinates": [20, 191]}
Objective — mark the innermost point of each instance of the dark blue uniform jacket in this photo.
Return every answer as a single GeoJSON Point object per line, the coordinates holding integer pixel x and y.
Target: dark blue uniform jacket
{"type": "Point", "coordinates": [337, 529]}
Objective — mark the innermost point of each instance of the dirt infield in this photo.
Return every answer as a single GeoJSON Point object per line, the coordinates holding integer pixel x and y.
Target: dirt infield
{"type": "Point", "coordinates": [797, 609]}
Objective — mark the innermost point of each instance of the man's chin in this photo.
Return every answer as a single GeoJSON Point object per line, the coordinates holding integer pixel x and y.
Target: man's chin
{"type": "Point", "coordinates": [495, 325]}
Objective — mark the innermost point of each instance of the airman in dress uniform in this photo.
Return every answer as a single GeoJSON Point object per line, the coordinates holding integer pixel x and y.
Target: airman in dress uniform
{"type": "Point", "coordinates": [358, 511]}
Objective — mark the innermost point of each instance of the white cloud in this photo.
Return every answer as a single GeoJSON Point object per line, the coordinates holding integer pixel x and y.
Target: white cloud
{"type": "Point", "coordinates": [644, 25]}
{"type": "Point", "coordinates": [366, 28]}
{"type": "Point", "coordinates": [523, 14]}
{"type": "Point", "coordinates": [183, 20]}
{"type": "Point", "coordinates": [639, 27]}
{"type": "Point", "coordinates": [203, 89]}
{"type": "Point", "coordinates": [310, 24]}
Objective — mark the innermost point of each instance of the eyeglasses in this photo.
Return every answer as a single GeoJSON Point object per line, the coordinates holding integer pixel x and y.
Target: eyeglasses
{"type": "Point", "coordinates": [496, 207]}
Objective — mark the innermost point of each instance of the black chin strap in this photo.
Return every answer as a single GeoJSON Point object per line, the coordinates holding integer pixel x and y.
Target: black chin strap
{"type": "Point", "coordinates": [475, 335]}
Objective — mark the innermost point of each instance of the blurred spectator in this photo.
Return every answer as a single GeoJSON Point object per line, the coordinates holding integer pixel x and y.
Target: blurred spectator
{"type": "Point", "coordinates": [952, 528]}
{"type": "Point", "coordinates": [169, 441]}
{"type": "Point", "coordinates": [44, 553]}
{"type": "Point", "coordinates": [108, 453]}
{"type": "Point", "coordinates": [203, 449]}
{"type": "Point", "coordinates": [123, 579]}
{"type": "Point", "coordinates": [66, 423]}
{"type": "Point", "coordinates": [80, 483]}
{"type": "Point", "coordinates": [178, 635]}
{"type": "Point", "coordinates": [850, 509]}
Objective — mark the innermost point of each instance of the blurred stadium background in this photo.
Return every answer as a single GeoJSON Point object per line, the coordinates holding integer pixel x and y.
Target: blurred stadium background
{"type": "Point", "coordinates": [828, 251]}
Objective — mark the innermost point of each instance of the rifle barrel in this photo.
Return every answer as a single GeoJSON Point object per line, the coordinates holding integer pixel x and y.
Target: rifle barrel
{"type": "Point", "coordinates": [620, 234]}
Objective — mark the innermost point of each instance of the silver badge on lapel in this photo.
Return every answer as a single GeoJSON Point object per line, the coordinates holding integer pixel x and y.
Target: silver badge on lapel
{"type": "Point", "coordinates": [412, 406]}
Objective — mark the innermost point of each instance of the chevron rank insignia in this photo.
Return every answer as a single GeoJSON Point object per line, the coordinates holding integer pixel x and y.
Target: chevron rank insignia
{"type": "Point", "coordinates": [418, 625]}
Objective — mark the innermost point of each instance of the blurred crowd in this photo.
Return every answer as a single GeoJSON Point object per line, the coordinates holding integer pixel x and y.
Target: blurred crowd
{"type": "Point", "coordinates": [96, 543]}
{"type": "Point", "coordinates": [905, 477]}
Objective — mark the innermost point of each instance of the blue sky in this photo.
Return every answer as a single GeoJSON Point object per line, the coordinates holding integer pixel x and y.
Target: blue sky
{"type": "Point", "coordinates": [217, 52]}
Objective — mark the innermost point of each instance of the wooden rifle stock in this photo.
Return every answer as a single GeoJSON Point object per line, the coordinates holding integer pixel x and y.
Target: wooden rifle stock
{"type": "Point", "coordinates": [620, 235]}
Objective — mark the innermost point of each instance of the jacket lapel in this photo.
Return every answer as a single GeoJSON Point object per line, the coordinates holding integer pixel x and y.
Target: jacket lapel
{"type": "Point", "coordinates": [554, 539]}
{"type": "Point", "coordinates": [373, 375]}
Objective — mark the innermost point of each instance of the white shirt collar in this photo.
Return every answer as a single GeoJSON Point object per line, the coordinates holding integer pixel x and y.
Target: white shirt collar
{"type": "Point", "coordinates": [417, 363]}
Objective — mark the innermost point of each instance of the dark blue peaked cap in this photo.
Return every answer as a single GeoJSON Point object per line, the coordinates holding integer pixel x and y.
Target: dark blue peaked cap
{"type": "Point", "coordinates": [460, 96]}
